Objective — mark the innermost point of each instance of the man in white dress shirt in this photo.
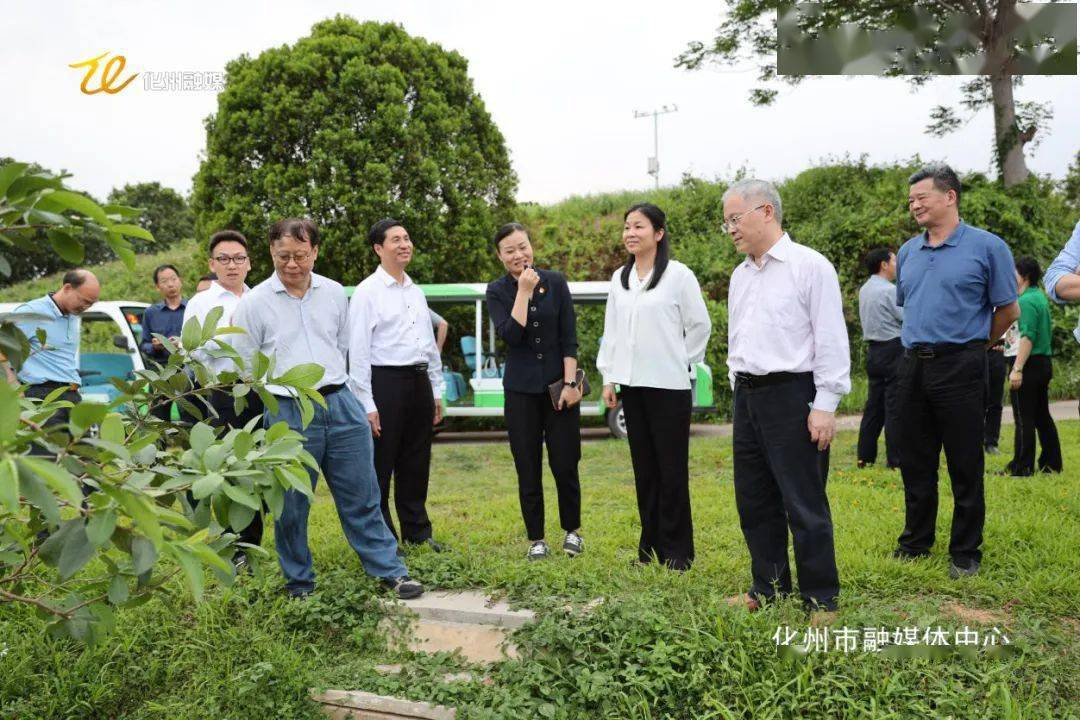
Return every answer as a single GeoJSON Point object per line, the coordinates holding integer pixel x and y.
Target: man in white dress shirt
{"type": "Point", "coordinates": [789, 364]}
{"type": "Point", "coordinates": [397, 376]}
{"type": "Point", "coordinates": [230, 263]}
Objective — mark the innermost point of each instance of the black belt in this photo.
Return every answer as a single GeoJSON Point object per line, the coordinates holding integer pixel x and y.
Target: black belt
{"type": "Point", "coordinates": [875, 343]}
{"type": "Point", "coordinates": [52, 385]}
{"type": "Point", "coordinates": [757, 381]}
{"type": "Point", "coordinates": [328, 390]}
{"type": "Point", "coordinates": [417, 369]}
{"type": "Point", "coordinates": [929, 352]}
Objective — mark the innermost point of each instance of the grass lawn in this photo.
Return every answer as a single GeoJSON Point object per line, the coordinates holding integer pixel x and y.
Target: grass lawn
{"type": "Point", "coordinates": [663, 645]}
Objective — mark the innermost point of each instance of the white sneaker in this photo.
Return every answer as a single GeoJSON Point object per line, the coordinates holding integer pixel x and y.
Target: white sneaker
{"type": "Point", "coordinates": [573, 545]}
{"type": "Point", "coordinates": [537, 551]}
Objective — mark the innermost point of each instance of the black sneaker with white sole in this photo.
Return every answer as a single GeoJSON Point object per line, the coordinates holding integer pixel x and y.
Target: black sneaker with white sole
{"type": "Point", "coordinates": [573, 545]}
{"type": "Point", "coordinates": [404, 587]}
{"type": "Point", "coordinates": [538, 551]}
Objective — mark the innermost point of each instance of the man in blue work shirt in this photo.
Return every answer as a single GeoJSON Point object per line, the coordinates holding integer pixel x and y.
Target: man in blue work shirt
{"type": "Point", "coordinates": [55, 364]}
{"type": "Point", "coordinates": [165, 317]}
{"type": "Point", "coordinates": [958, 289]}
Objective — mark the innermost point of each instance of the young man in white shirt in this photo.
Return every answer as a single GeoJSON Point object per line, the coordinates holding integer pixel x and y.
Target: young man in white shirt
{"type": "Point", "coordinates": [789, 365]}
{"type": "Point", "coordinates": [397, 376]}
{"type": "Point", "coordinates": [230, 263]}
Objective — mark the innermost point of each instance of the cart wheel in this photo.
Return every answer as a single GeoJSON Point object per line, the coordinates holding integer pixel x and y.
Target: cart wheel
{"type": "Point", "coordinates": [616, 422]}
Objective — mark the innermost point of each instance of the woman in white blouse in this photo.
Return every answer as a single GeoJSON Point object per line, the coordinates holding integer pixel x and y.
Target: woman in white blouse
{"type": "Point", "coordinates": [655, 330]}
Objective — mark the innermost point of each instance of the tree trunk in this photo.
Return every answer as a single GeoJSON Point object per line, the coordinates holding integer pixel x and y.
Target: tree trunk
{"type": "Point", "coordinates": [1009, 139]}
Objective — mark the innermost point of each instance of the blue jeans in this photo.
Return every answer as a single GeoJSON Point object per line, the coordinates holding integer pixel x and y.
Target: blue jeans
{"type": "Point", "coordinates": [339, 438]}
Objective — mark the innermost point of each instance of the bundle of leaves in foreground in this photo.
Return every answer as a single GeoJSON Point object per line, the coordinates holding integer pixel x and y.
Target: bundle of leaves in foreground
{"type": "Point", "coordinates": [109, 521]}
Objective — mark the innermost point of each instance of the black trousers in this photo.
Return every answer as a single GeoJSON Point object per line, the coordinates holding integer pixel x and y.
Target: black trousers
{"type": "Point", "coordinates": [942, 405]}
{"type": "Point", "coordinates": [403, 450]}
{"type": "Point", "coordinates": [532, 421]}
{"type": "Point", "coordinates": [228, 418]}
{"type": "Point", "coordinates": [658, 430]}
{"type": "Point", "coordinates": [61, 417]}
{"type": "Point", "coordinates": [882, 410]}
{"type": "Point", "coordinates": [780, 478]}
{"type": "Point", "coordinates": [1031, 404]}
{"type": "Point", "coordinates": [996, 372]}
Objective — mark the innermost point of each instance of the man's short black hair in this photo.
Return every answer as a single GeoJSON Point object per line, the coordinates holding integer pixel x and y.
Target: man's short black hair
{"type": "Point", "coordinates": [75, 278]}
{"type": "Point", "coordinates": [1028, 268]}
{"type": "Point", "coordinates": [874, 258]}
{"type": "Point", "coordinates": [160, 268]}
{"type": "Point", "coordinates": [227, 236]}
{"type": "Point", "coordinates": [208, 277]}
{"type": "Point", "coordinates": [299, 229]}
{"type": "Point", "coordinates": [377, 234]}
{"type": "Point", "coordinates": [945, 179]}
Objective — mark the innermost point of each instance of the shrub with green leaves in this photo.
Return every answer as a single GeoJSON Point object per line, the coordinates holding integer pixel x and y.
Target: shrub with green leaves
{"type": "Point", "coordinates": [135, 528]}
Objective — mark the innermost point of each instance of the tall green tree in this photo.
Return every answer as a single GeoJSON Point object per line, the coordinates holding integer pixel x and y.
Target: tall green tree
{"type": "Point", "coordinates": [1072, 182]}
{"type": "Point", "coordinates": [165, 213]}
{"type": "Point", "coordinates": [749, 29]}
{"type": "Point", "coordinates": [352, 123]}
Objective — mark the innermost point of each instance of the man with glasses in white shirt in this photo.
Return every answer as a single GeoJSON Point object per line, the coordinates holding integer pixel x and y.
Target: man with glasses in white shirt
{"type": "Point", "coordinates": [397, 374]}
{"type": "Point", "coordinates": [789, 365]}
{"type": "Point", "coordinates": [230, 264]}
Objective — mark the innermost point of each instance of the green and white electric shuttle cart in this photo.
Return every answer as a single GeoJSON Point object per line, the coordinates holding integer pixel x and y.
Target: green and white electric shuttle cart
{"type": "Point", "coordinates": [483, 395]}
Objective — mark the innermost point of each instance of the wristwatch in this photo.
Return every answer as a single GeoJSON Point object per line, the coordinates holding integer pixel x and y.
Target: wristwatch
{"type": "Point", "coordinates": [570, 383]}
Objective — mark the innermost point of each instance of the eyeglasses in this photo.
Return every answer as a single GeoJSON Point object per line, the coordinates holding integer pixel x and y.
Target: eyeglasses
{"type": "Point", "coordinates": [734, 221]}
{"type": "Point", "coordinates": [234, 260]}
{"type": "Point", "coordinates": [298, 258]}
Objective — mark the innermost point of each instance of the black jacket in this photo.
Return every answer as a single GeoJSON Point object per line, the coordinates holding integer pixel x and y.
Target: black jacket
{"type": "Point", "coordinates": [535, 352]}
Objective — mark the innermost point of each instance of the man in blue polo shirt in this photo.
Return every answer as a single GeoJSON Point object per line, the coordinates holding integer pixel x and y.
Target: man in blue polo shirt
{"type": "Point", "coordinates": [958, 289]}
{"type": "Point", "coordinates": [56, 363]}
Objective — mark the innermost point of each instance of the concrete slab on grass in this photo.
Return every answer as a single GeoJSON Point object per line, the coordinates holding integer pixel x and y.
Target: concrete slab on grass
{"type": "Point", "coordinates": [357, 705]}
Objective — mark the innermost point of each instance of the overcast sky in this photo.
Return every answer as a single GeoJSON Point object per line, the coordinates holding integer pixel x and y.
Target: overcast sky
{"type": "Point", "coordinates": [562, 80]}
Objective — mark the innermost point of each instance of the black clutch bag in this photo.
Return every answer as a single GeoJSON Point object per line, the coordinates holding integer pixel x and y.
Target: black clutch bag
{"type": "Point", "coordinates": [555, 388]}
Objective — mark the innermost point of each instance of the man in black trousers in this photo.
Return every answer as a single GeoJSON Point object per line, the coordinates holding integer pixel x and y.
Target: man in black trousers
{"type": "Point", "coordinates": [396, 373]}
{"type": "Point", "coordinates": [958, 289]}
{"type": "Point", "coordinates": [881, 319]}
{"type": "Point", "coordinates": [789, 364]}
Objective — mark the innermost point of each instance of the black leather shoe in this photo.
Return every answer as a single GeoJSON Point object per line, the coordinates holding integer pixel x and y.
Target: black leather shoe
{"type": "Point", "coordinates": [430, 542]}
{"type": "Point", "coordinates": [901, 554]}
{"type": "Point", "coordinates": [960, 571]}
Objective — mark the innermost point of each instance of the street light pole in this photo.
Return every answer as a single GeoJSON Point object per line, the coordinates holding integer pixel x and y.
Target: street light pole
{"type": "Point", "coordinates": [654, 161]}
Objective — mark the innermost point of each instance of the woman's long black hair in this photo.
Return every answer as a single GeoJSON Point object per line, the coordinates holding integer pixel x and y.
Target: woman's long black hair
{"type": "Point", "coordinates": [658, 220]}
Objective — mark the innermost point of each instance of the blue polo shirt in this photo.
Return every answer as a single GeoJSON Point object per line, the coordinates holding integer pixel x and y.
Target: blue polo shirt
{"type": "Point", "coordinates": [949, 292]}
{"type": "Point", "coordinates": [58, 361]}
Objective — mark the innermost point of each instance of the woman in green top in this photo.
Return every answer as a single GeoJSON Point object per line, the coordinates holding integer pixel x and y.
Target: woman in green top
{"type": "Point", "coordinates": [1030, 378]}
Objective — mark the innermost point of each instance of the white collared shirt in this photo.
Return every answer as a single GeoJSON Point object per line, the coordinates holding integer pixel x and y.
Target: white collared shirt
{"type": "Point", "coordinates": [295, 331]}
{"type": "Point", "coordinates": [788, 316]}
{"type": "Point", "coordinates": [389, 324]}
{"type": "Point", "coordinates": [652, 338]}
{"type": "Point", "coordinates": [200, 306]}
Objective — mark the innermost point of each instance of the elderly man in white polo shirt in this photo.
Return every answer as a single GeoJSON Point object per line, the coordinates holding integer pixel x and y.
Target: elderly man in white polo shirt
{"type": "Point", "coordinates": [789, 364]}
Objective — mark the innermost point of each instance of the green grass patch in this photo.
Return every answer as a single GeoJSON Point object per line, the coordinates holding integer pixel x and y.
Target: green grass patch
{"type": "Point", "coordinates": [663, 645]}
